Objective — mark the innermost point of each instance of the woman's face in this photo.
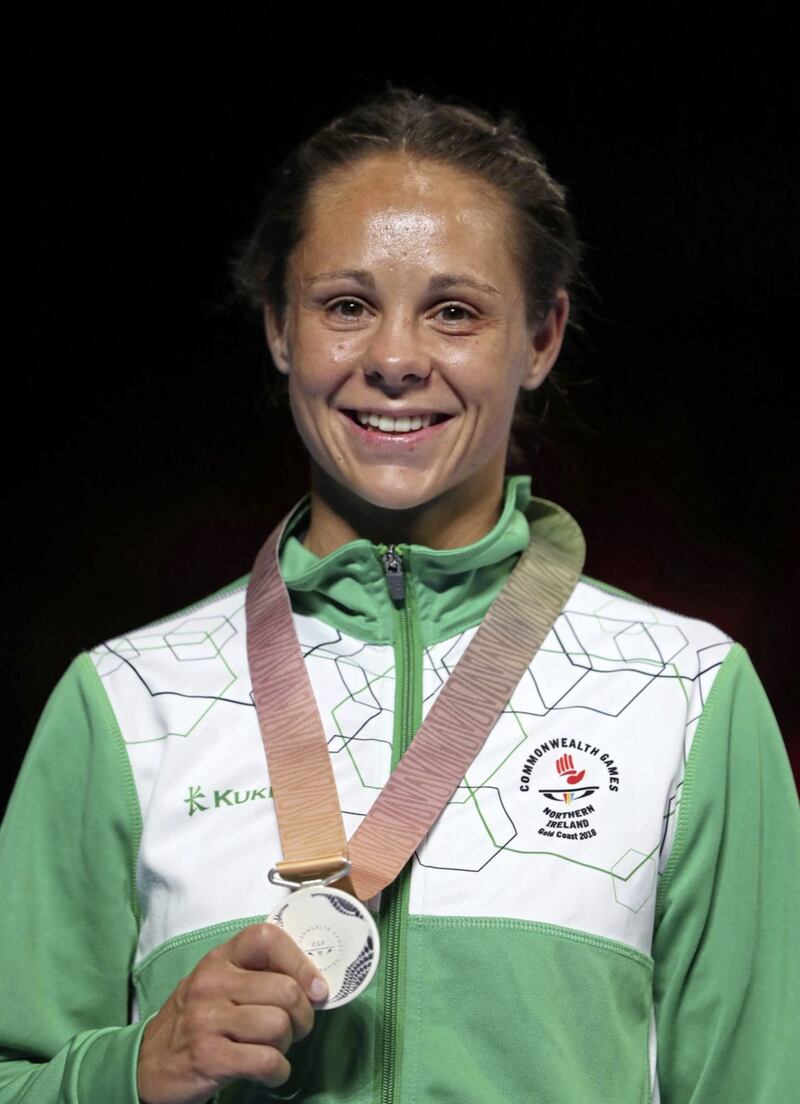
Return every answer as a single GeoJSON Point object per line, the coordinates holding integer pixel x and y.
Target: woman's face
{"type": "Point", "coordinates": [404, 301]}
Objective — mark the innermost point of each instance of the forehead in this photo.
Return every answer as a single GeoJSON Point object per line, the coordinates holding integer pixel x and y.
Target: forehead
{"type": "Point", "coordinates": [395, 207]}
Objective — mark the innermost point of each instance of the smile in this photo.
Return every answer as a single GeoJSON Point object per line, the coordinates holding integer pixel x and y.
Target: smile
{"type": "Point", "coordinates": [382, 428]}
{"type": "Point", "coordinates": [387, 423]}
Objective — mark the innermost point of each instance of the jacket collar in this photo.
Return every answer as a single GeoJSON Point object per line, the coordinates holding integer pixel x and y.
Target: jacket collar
{"type": "Point", "coordinates": [452, 588]}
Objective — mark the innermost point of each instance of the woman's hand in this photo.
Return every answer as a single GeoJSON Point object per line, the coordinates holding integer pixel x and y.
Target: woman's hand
{"type": "Point", "coordinates": [235, 1015]}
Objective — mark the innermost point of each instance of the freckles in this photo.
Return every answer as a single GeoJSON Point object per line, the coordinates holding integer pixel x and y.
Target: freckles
{"type": "Point", "coordinates": [339, 354]}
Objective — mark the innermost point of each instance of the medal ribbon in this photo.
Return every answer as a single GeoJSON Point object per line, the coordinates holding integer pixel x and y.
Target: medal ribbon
{"type": "Point", "coordinates": [456, 727]}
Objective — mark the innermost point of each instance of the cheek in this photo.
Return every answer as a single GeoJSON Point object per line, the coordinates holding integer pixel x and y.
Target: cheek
{"type": "Point", "coordinates": [496, 395]}
{"type": "Point", "coordinates": [311, 400]}
{"type": "Point", "coordinates": [489, 373]}
{"type": "Point", "coordinates": [323, 353]}
{"type": "Point", "coordinates": [319, 369]}
{"type": "Point", "coordinates": [305, 415]}
{"type": "Point", "coordinates": [309, 385]}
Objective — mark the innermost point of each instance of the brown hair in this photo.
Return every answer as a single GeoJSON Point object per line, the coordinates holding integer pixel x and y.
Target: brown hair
{"type": "Point", "coordinates": [452, 132]}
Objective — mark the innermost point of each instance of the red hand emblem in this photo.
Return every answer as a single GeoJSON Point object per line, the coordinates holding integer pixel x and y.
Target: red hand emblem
{"type": "Point", "coordinates": [565, 766]}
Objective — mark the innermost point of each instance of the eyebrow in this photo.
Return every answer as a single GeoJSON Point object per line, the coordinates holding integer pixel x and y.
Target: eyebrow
{"type": "Point", "coordinates": [436, 283]}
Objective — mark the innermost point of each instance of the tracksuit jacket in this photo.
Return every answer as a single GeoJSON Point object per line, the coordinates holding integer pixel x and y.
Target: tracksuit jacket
{"type": "Point", "coordinates": [606, 910]}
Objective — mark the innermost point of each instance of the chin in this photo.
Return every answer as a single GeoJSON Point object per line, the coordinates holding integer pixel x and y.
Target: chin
{"type": "Point", "coordinates": [394, 501]}
{"type": "Point", "coordinates": [407, 497]}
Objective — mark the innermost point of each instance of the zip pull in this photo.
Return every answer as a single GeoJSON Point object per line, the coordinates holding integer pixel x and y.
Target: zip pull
{"type": "Point", "coordinates": [393, 569]}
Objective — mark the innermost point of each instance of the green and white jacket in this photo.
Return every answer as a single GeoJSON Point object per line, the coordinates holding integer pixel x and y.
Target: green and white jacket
{"type": "Point", "coordinates": [605, 911]}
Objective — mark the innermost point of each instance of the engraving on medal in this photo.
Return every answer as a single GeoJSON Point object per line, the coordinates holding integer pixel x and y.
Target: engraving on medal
{"type": "Point", "coordinates": [322, 944]}
{"type": "Point", "coordinates": [338, 933]}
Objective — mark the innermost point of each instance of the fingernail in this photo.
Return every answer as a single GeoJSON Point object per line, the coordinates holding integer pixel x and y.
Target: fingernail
{"type": "Point", "coordinates": [318, 989]}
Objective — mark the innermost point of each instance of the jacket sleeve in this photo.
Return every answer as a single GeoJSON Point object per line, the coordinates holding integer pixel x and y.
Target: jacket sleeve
{"type": "Point", "coordinates": [726, 952]}
{"type": "Point", "coordinates": [68, 907]}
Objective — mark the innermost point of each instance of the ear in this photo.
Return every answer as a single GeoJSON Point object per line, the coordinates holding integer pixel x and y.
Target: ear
{"type": "Point", "coordinates": [545, 343]}
{"type": "Point", "coordinates": [277, 339]}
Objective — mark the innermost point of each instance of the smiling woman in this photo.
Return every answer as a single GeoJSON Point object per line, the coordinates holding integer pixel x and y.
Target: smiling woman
{"type": "Point", "coordinates": [398, 334]}
{"type": "Point", "coordinates": [516, 843]}
{"type": "Point", "coordinates": [430, 156]}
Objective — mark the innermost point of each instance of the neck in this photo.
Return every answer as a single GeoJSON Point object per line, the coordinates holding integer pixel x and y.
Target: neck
{"type": "Point", "coordinates": [456, 518]}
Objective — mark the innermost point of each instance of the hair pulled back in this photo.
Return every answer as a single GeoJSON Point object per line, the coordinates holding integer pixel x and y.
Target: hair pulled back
{"type": "Point", "coordinates": [497, 150]}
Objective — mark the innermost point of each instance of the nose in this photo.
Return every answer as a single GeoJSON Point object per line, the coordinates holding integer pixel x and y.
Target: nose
{"type": "Point", "coordinates": [396, 356]}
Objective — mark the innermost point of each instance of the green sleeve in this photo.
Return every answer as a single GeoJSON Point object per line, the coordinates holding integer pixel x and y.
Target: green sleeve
{"type": "Point", "coordinates": [68, 907]}
{"type": "Point", "coordinates": [727, 956]}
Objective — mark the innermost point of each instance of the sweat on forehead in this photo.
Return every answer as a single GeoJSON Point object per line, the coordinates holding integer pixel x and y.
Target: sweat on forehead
{"type": "Point", "coordinates": [401, 209]}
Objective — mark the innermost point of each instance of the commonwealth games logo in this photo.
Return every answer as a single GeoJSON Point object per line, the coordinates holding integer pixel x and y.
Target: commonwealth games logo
{"type": "Point", "coordinates": [563, 781]}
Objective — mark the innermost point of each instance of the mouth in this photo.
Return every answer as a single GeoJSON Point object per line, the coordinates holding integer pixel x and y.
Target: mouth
{"type": "Point", "coordinates": [405, 425]}
{"type": "Point", "coordinates": [394, 436]}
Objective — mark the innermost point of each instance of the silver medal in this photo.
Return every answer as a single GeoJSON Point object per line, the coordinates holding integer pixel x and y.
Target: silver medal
{"type": "Point", "coordinates": [337, 932]}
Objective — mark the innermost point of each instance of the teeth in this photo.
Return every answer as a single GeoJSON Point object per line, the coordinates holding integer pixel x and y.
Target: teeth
{"type": "Point", "coordinates": [387, 424]}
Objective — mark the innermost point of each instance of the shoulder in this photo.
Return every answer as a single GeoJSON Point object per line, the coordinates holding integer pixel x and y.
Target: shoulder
{"type": "Point", "coordinates": [616, 626]}
{"type": "Point", "coordinates": [605, 601]}
{"type": "Point", "coordinates": [186, 633]}
{"type": "Point", "coordinates": [164, 676]}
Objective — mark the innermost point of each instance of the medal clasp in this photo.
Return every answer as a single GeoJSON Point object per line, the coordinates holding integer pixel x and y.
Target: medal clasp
{"type": "Point", "coordinates": [339, 871]}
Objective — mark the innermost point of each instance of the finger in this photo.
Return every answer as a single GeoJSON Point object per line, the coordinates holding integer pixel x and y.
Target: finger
{"type": "Point", "coordinates": [219, 983]}
{"type": "Point", "coordinates": [257, 1063]}
{"type": "Point", "coordinates": [268, 947]}
{"type": "Point", "coordinates": [268, 1025]}
{"type": "Point", "coordinates": [224, 980]}
{"type": "Point", "coordinates": [282, 992]}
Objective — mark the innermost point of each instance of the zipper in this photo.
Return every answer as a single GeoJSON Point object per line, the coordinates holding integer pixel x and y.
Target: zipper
{"type": "Point", "coordinates": [394, 899]}
{"type": "Point", "coordinates": [395, 577]}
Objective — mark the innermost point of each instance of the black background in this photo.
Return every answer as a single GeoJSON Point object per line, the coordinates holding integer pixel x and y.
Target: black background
{"type": "Point", "coordinates": [143, 465]}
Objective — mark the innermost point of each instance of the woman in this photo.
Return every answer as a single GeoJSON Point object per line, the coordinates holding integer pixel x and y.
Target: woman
{"type": "Point", "coordinates": [602, 908]}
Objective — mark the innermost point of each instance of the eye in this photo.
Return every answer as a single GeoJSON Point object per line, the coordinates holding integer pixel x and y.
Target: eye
{"type": "Point", "coordinates": [467, 314]}
{"type": "Point", "coordinates": [354, 308]}
{"type": "Point", "coordinates": [332, 308]}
